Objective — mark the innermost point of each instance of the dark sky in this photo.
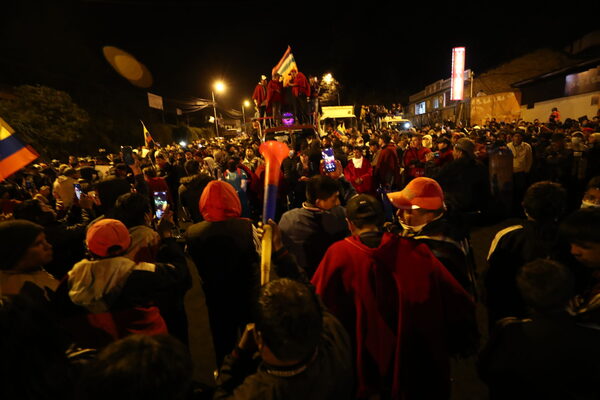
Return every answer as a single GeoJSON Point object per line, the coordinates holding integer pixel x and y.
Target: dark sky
{"type": "Point", "coordinates": [376, 50]}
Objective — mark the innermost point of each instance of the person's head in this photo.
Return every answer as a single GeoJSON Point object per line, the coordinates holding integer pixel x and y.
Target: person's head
{"type": "Point", "coordinates": [109, 190]}
{"type": "Point", "coordinates": [464, 147]}
{"type": "Point", "coordinates": [23, 246]}
{"type": "Point", "coordinates": [161, 160]}
{"type": "Point", "coordinates": [288, 321]}
{"type": "Point", "coordinates": [421, 201]}
{"type": "Point", "coordinates": [70, 172]}
{"type": "Point", "coordinates": [276, 77]}
{"type": "Point", "coordinates": [545, 285]}
{"type": "Point", "coordinates": [582, 231]}
{"type": "Point", "coordinates": [357, 152]}
{"type": "Point", "coordinates": [323, 192]}
{"type": "Point", "coordinates": [591, 197]}
{"type": "Point", "coordinates": [192, 167]}
{"type": "Point", "coordinates": [443, 144]}
{"type": "Point", "coordinates": [31, 210]}
{"type": "Point", "coordinates": [517, 138]}
{"type": "Point", "coordinates": [263, 79]}
{"type": "Point", "coordinates": [545, 201]}
{"type": "Point", "coordinates": [293, 73]}
{"type": "Point", "coordinates": [364, 211]}
{"type": "Point", "coordinates": [107, 238]}
{"type": "Point", "coordinates": [219, 202]}
{"type": "Point", "coordinates": [416, 142]}
{"type": "Point", "coordinates": [139, 367]}
{"type": "Point", "coordinates": [133, 209]}
{"type": "Point", "coordinates": [385, 139]}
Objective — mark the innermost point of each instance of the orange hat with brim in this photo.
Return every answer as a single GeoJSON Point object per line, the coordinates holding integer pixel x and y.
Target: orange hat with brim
{"type": "Point", "coordinates": [105, 235]}
{"type": "Point", "coordinates": [423, 193]}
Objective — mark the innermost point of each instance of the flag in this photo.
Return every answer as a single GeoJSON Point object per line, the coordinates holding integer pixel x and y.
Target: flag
{"type": "Point", "coordinates": [147, 137]}
{"type": "Point", "coordinates": [14, 155]}
{"type": "Point", "coordinates": [285, 65]}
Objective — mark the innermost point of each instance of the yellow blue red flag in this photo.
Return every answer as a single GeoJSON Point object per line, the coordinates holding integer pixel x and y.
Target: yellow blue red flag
{"type": "Point", "coordinates": [14, 155]}
{"type": "Point", "coordinates": [147, 137]}
{"type": "Point", "coordinates": [285, 65]}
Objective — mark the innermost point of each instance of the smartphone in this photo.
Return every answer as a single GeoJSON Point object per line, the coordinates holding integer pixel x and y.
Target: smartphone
{"type": "Point", "coordinates": [160, 203]}
{"type": "Point", "coordinates": [127, 152]}
{"type": "Point", "coordinates": [329, 159]}
{"type": "Point", "coordinates": [77, 190]}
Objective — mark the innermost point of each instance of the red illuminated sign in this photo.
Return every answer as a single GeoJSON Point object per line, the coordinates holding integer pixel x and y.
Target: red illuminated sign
{"type": "Point", "coordinates": [458, 72]}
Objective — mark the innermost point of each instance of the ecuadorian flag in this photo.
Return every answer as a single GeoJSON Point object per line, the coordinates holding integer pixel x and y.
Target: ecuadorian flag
{"type": "Point", "coordinates": [14, 155]}
{"type": "Point", "coordinates": [285, 65]}
{"type": "Point", "coordinates": [147, 137]}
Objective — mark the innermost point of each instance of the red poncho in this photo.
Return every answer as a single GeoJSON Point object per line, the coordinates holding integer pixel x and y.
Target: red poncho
{"type": "Point", "coordinates": [400, 305]}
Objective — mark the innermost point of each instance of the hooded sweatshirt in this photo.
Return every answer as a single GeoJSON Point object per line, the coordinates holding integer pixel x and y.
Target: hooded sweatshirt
{"type": "Point", "coordinates": [224, 249]}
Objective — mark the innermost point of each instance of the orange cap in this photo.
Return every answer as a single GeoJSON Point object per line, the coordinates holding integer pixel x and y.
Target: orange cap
{"type": "Point", "coordinates": [107, 233]}
{"type": "Point", "coordinates": [421, 192]}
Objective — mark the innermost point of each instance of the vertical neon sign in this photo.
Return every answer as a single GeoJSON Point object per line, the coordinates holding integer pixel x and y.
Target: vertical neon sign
{"type": "Point", "coordinates": [458, 73]}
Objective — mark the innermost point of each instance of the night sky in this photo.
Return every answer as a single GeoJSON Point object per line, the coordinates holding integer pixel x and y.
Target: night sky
{"type": "Point", "coordinates": [379, 52]}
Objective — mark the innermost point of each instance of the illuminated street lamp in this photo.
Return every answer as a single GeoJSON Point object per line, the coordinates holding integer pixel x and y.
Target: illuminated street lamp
{"type": "Point", "coordinates": [245, 104]}
{"type": "Point", "coordinates": [328, 78]}
{"type": "Point", "coordinates": [218, 87]}
{"type": "Point", "coordinates": [330, 81]}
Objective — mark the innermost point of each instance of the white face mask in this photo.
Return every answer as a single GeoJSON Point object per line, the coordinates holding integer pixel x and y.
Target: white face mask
{"type": "Point", "coordinates": [412, 229]}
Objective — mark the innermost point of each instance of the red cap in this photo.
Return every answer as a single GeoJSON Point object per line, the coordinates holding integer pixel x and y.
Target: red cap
{"type": "Point", "coordinates": [422, 193]}
{"type": "Point", "coordinates": [107, 233]}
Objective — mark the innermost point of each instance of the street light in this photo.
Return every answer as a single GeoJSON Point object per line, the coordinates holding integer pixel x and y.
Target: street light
{"type": "Point", "coordinates": [245, 104]}
{"type": "Point", "coordinates": [329, 81]}
{"type": "Point", "coordinates": [218, 87]}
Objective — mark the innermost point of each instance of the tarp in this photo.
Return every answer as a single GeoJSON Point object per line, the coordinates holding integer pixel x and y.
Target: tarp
{"type": "Point", "coordinates": [502, 106]}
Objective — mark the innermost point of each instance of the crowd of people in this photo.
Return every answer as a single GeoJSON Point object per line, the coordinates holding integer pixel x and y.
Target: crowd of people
{"type": "Point", "coordinates": [374, 278]}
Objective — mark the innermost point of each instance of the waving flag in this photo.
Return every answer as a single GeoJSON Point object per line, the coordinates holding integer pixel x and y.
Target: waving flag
{"type": "Point", "coordinates": [14, 155]}
{"type": "Point", "coordinates": [285, 65]}
{"type": "Point", "coordinates": [147, 137]}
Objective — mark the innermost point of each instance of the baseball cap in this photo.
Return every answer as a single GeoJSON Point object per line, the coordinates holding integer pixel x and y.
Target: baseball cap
{"type": "Point", "coordinates": [421, 192]}
{"type": "Point", "coordinates": [363, 206]}
{"type": "Point", "coordinates": [466, 145]}
{"type": "Point", "coordinates": [103, 236]}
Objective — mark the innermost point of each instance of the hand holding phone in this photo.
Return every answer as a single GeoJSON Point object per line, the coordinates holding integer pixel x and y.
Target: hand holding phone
{"type": "Point", "coordinates": [77, 190]}
{"type": "Point", "coordinates": [160, 203]}
{"type": "Point", "coordinates": [329, 159]}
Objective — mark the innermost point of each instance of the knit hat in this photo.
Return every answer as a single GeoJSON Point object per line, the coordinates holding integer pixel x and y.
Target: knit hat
{"type": "Point", "coordinates": [466, 146]}
{"type": "Point", "coordinates": [421, 192]}
{"type": "Point", "coordinates": [104, 236]}
{"type": "Point", "coordinates": [363, 206]}
{"type": "Point", "coordinates": [15, 238]}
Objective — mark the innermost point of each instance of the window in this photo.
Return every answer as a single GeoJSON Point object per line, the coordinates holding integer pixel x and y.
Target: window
{"type": "Point", "coordinates": [420, 108]}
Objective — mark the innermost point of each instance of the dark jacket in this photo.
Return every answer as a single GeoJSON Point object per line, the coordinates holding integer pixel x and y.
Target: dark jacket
{"type": "Point", "coordinates": [548, 357]}
{"type": "Point", "coordinates": [223, 249]}
{"type": "Point", "coordinates": [512, 248]}
{"type": "Point", "coordinates": [308, 232]}
{"type": "Point", "coordinates": [190, 190]}
{"type": "Point", "coordinates": [328, 376]}
{"type": "Point", "coordinates": [465, 183]}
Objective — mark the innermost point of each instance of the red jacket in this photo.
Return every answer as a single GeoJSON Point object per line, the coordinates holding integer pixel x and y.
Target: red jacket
{"type": "Point", "coordinates": [300, 87]}
{"type": "Point", "coordinates": [260, 95]}
{"type": "Point", "coordinates": [402, 309]}
{"type": "Point", "coordinates": [365, 172]}
{"type": "Point", "coordinates": [274, 92]}
{"type": "Point", "coordinates": [414, 161]}
{"type": "Point", "coordinates": [387, 169]}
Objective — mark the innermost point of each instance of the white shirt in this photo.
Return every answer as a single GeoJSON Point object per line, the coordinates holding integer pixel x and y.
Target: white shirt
{"type": "Point", "coordinates": [522, 158]}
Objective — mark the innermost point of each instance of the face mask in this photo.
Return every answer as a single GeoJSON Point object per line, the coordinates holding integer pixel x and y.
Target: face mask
{"type": "Point", "coordinates": [413, 229]}
{"type": "Point", "coordinates": [291, 153]}
{"type": "Point", "coordinates": [589, 204]}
